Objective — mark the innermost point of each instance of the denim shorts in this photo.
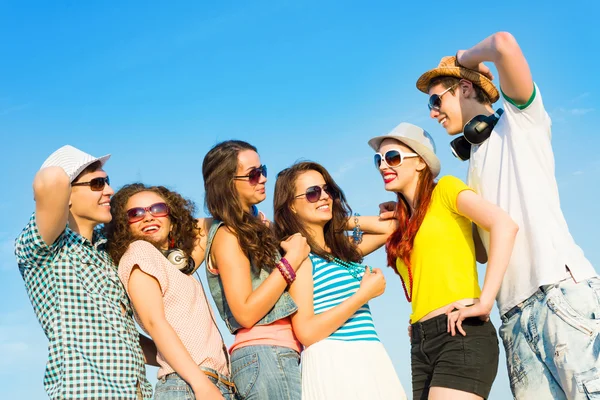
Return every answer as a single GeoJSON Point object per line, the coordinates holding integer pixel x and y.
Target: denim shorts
{"type": "Point", "coordinates": [173, 387]}
{"type": "Point", "coordinates": [467, 363]}
{"type": "Point", "coordinates": [266, 372]}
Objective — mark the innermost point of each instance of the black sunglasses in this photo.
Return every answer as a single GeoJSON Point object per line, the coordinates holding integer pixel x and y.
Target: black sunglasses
{"type": "Point", "coordinates": [254, 175]}
{"type": "Point", "coordinates": [96, 184]}
{"type": "Point", "coordinates": [313, 193]}
{"type": "Point", "coordinates": [435, 100]}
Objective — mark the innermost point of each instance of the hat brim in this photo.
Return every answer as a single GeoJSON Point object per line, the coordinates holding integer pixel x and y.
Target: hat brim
{"type": "Point", "coordinates": [78, 171]}
{"type": "Point", "coordinates": [432, 161]}
{"type": "Point", "coordinates": [462, 73]}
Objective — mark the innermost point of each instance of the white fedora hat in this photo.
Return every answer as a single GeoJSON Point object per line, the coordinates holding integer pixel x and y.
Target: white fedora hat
{"type": "Point", "coordinates": [72, 160]}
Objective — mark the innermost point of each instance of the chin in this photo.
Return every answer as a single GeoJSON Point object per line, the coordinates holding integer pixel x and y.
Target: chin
{"type": "Point", "coordinates": [260, 198]}
{"type": "Point", "coordinates": [393, 186]}
{"type": "Point", "coordinates": [105, 219]}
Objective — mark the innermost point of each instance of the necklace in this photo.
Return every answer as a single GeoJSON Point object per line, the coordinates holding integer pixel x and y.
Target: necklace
{"type": "Point", "coordinates": [410, 282]}
{"type": "Point", "coordinates": [355, 269]}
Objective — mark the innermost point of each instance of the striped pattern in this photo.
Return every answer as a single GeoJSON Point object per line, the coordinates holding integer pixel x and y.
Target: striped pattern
{"type": "Point", "coordinates": [72, 160]}
{"type": "Point", "coordinates": [332, 284]}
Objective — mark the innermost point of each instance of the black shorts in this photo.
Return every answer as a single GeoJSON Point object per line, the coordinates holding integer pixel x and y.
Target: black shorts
{"type": "Point", "coordinates": [467, 363]}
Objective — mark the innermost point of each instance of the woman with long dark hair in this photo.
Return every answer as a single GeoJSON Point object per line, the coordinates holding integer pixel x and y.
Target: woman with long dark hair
{"type": "Point", "coordinates": [157, 244]}
{"type": "Point", "coordinates": [433, 251]}
{"type": "Point", "coordinates": [343, 358]}
{"type": "Point", "coordinates": [247, 276]}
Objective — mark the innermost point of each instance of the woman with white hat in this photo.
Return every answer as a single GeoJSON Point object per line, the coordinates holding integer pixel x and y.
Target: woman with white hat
{"type": "Point", "coordinates": [434, 253]}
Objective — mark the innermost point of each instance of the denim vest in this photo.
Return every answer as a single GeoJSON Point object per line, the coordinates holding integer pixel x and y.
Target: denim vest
{"type": "Point", "coordinates": [284, 307]}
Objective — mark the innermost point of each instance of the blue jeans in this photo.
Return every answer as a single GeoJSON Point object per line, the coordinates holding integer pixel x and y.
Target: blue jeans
{"type": "Point", "coordinates": [552, 342]}
{"type": "Point", "coordinates": [172, 387]}
{"type": "Point", "coordinates": [266, 372]}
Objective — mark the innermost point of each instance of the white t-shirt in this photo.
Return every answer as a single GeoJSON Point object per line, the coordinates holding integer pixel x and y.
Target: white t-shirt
{"type": "Point", "coordinates": [514, 169]}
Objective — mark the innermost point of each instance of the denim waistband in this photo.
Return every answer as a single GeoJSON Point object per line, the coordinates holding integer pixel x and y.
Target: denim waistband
{"type": "Point", "coordinates": [538, 295]}
{"type": "Point", "coordinates": [207, 371]}
{"type": "Point", "coordinates": [430, 328]}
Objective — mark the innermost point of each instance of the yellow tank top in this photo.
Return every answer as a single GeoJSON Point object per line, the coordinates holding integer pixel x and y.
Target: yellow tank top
{"type": "Point", "coordinates": [443, 258]}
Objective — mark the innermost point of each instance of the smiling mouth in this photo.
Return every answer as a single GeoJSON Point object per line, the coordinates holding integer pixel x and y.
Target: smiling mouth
{"type": "Point", "coordinates": [387, 178]}
{"type": "Point", "coordinates": [150, 229]}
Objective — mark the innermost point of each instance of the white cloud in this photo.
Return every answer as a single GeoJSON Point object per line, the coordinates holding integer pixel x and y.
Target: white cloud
{"type": "Point", "coordinates": [349, 166]}
{"type": "Point", "coordinates": [22, 341]}
{"type": "Point", "coordinates": [580, 97]}
{"type": "Point", "coordinates": [13, 109]}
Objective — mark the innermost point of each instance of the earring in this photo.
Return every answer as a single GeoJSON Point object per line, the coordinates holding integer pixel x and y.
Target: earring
{"type": "Point", "coordinates": [171, 241]}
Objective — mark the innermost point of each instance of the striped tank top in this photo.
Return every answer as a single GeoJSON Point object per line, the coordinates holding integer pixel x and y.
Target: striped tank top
{"type": "Point", "coordinates": [332, 284]}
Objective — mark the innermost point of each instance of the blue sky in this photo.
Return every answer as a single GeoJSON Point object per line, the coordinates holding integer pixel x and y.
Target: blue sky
{"type": "Point", "coordinates": [156, 86]}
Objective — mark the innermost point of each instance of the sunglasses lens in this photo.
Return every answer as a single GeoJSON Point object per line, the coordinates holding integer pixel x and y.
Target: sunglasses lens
{"type": "Point", "coordinates": [313, 194]}
{"type": "Point", "coordinates": [330, 191]}
{"type": "Point", "coordinates": [255, 174]}
{"type": "Point", "coordinates": [393, 158]}
{"type": "Point", "coordinates": [97, 184]}
{"type": "Point", "coordinates": [136, 214]}
{"type": "Point", "coordinates": [377, 159]}
{"type": "Point", "coordinates": [159, 210]}
{"type": "Point", "coordinates": [435, 102]}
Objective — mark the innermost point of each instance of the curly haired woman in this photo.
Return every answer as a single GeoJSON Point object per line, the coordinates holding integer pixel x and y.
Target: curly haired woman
{"type": "Point", "coordinates": [156, 242]}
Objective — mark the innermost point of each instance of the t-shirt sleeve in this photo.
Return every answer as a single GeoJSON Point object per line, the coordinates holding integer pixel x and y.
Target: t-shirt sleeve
{"type": "Point", "coordinates": [448, 188]}
{"type": "Point", "coordinates": [149, 259]}
{"type": "Point", "coordinates": [30, 248]}
{"type": "Point", "coordinates": [532, 113]}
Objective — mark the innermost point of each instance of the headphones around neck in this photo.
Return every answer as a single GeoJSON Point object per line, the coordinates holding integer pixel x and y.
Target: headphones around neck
{"type": "Point", "coordinates": [475, 132]}
{"type": "Point", "coordinates": [178, 258]}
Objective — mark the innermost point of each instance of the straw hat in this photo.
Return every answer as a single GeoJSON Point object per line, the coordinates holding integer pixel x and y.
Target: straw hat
{"type": "Point", "coordinates": [450, 67]}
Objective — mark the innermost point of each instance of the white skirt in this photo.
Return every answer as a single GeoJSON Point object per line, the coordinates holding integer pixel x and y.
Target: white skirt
{"type": "Point", "coordinates": [360, 370]}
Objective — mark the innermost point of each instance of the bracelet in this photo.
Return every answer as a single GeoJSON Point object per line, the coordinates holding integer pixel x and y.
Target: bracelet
{"type": "Point", "coordinates": [357, 233]}
{"type": "Point", "coordinates": [286, 270]}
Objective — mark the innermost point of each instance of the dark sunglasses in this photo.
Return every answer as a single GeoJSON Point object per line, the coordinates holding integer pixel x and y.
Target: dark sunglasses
{"type": "Point", "coordinates": [392, 158]}
{"type": "Point", "coordinates": [96, 184]}
{"type": "Point", "coordinates": [313, 193]}
{"type": "Point", "coordinates": [435, 100]}
{"type": "Point", "coordinates": [157, 210]}
{"type": "Point", "coordinates": [254, 175]}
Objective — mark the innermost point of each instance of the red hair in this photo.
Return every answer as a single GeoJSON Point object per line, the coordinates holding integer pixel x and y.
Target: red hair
{"type": "Point", "coordinates": [400, 243]}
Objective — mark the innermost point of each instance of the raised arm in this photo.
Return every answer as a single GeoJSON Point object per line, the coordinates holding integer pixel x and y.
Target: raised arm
{"type": "Point", "coordinates": [250, 306]}
{"type": "Point", "coordinates": [51, 192]}
{"type": "Point", "coordinates": [502, 231]}
{"type": "Point", "coordinates": [375, 232]}
{"type": "Point", "coordinates": [502, 49]}
{"type": "Point", "coordinates": [310, 328]}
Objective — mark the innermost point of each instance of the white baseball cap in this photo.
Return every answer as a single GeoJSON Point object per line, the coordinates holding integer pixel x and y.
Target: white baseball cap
{"type": "Point", "coordinates": [73, 161]}
{"type": "Point", "coordinates": [417, 139]}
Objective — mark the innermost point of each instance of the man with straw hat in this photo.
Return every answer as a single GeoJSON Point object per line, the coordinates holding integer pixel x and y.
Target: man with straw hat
{"type": "Point", "coordinates": [94, 346]}
{"type": "Point", "coordinates": [549, 301]}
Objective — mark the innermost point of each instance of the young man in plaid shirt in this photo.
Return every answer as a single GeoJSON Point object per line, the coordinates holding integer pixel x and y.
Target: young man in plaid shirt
{"type": "Point", "coordinates": [94, 346]}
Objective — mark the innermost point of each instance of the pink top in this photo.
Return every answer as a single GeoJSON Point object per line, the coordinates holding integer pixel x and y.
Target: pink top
{"type": "Point", "coordinates": [186, 307]}
{"type": "Point", "coordinates": [279, 333]}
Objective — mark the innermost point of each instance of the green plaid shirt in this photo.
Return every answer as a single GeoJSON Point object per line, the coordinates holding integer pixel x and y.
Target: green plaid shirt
{"type": "Point", "coordinates": [79, 300]}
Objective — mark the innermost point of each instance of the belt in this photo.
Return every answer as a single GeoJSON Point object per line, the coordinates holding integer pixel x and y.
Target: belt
{"type": "Point", "coordinates": [207, 373]}
{"type": "Point", "coordinates": [220, 379]}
